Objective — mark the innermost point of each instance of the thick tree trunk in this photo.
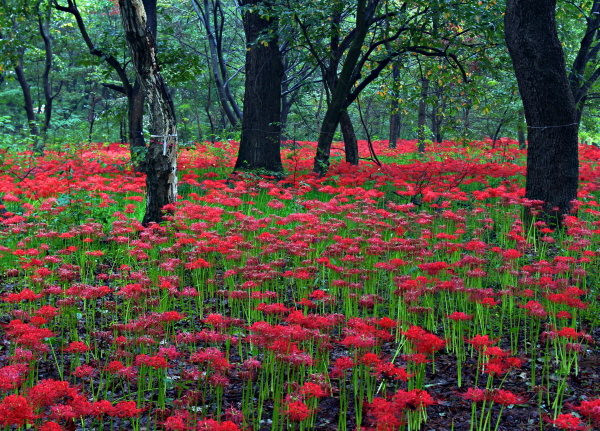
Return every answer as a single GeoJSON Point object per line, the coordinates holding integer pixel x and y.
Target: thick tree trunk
{"type": "Point", "coordinates": [261, 129]}
{"type": "Point", "coordinates": [350, 142]}
{"type": "Point", "coordinates": [161, 155]}
{"type": "Point", "coordinates": [422, 114]}
{"type": "Point", "coordinates": [538, 61]}
{"type": "Point", "coordinates": [135, 119]}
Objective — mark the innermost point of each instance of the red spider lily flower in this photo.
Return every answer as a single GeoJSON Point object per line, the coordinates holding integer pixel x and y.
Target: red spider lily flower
{"type": "Point", "coordinates": [15, 410]}
{"type": "Point", "coordinates": [297, 411]}
{"type": "Point", "coordinates": [388, 369]}
{"type": "Point", "coordinates": [475, 395]}
{"type": "Point", "coordinates": [198, 263]}
{"type": "Point", "coordinates": [370, 359]}
{"type": "Point", "coordinates": [433, 268]}
{"type": "Point", "coordinates": [505, 398]}
{"type": "Point", "coordinates": [563, 315]}
{"type": "Point", "coordinates": [341, 365]}
{"type": "Point", "coordinates": [499, 361]}
{"type": "Point", "coordinates": [157, 362]}
{"type": "Point", "coordinates": [213, 357]}
{"type": "Point", "coordinates": [312, 390]}
{"type": "Point", "coordinates": [28, 335]}
{"type": "Point", "coordinates": [488, 302]}
{"type": "Point", "coordinates": [12, 376]}
{"type": "Point", "coordinates": [567, 422]}
{"type": "Point", "coordinates": [535, 309]}
{"type": "Point", "coordinates": [77, 347]}
{"type": "Point", "coordinates": [48, 392]}
{"type": "Point", "coordinates": [511, 254]}
{"type": "Point", "coordinates": [414, 400]}
{"type": "Point", "coordinates": [102, 407]}
{"type": "Point", "coordinates": [459, 315]}
{"type": "Point", "coordinates": [590, 409]}
{"type": "Point", "coordinates": [569, 333]}
{"type": "Point", "coordinates": [50, 426]}
{"type": "Point", "coordinates": [428, 343]}
{"type": "Point", "coordinates": [177, 422]}
{"type": "Point", "coordinates": [386, 323]}
{"type": "Point", "coordinates": [46, 311]}
{"type": "Point", "coordinates": [416, 358]}
{"type": "Point", "coordinates": [481, 341]}
{"type": "Point", "coordinates": [126, 409]}
{"type": "Point", "coordinates": [386, 415]}
{"type": "Point", "coordinates": [277, 308]}
{"type": "Point", "coordinates": [24, 295]}
{"type": "Point", "coordinates": [84, 371]}
{"type": "Point", "coordinates": [227, 426]}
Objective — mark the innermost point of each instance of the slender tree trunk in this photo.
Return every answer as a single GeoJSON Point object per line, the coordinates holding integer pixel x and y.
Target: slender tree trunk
{"type": "Point", "coordinates": [350, 142]}
{"type": "Point", "coordinates": [437, 117]}
{"type": "Point", "coordinates": [44, 26]}
{"type": "Point", "coordinates": [261, 128]}
{"type": "Point", "coordinates": [212, 18]}
{"type": "Point", "coordinates": [394, 108]}
{"type": "Point", "coordinates": [394, 124]}
{"type": "Point", "coordinates": [538, 61]}
{"type": "Point", "coordinates": [93, 99]}
{"type": "Point", "coordinates": [339, 96]}
{"type": "Point", "coordinates": [26, 89]}
{"type": "Point", "coordinates": [161, 155]}
{"type": "Point", "coordinates": [422, 115]}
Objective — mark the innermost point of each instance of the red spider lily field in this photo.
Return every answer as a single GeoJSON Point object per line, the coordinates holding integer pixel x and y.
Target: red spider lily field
{"type": "Point", "coordinates": [400, 296]}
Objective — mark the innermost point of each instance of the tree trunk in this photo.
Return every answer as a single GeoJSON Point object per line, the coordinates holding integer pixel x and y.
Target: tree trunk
{"type": "Point", "coordinates": [212, 17]}
{"type": "Point", "coordinates": [521, 130]}
{"type": "Point", "coordinates": [422, 117]}
{"type": "Point", "coordinates": [135, 97]}
{"type": "Point", "coordinates": [339, 96]}
{"type": "Point", "coordinates": [26, 89]}
{"type": "Point", "coordinates": [538, 61]}
{"type": "Point", "coordinates": [437, 116]}
{"type": "Point", "coordinates": [261, 129]}
{"type": "Point", "coordinates": [350, 142]}
{"type": "Point", "coordinates": [135, 119]}
{"type": "Point", "coordinates": [394, 109]}
{"type": "Point", "coordinates": [161, 155]}
{"type": "Point", "coordinates": [44, 26]}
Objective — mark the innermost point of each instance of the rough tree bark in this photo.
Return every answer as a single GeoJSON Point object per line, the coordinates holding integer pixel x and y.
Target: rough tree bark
{"type": "Point", "coordinates": [261, 127]}
{"type": "Point", "coordinates": [350, 141]}
{"type": "Point", "coordinates": [550, 111]}
{"type": "Point", "coordinates": [161, 155]}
